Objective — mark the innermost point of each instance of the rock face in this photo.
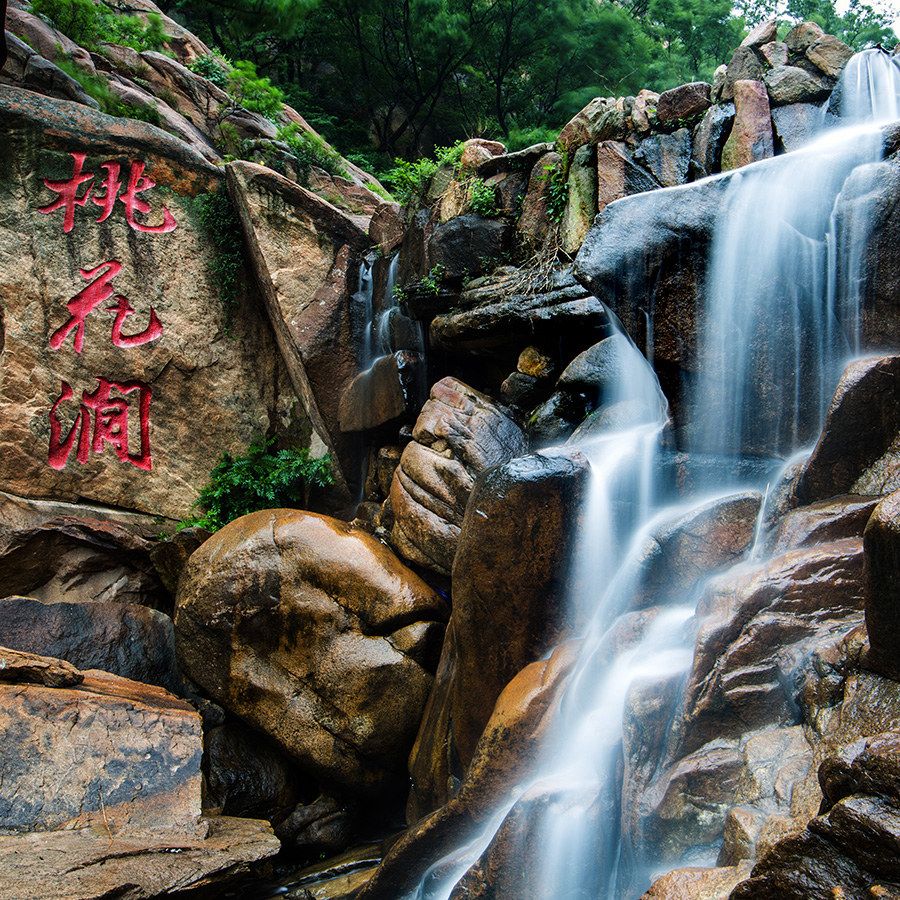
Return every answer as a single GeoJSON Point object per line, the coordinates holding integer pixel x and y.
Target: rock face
{"type": "Point", "coordinates": [508, 608]}
{"type": "Point", "coordinates": [67, 362]}
{"type": "Point", "coordinates": [121, 638]}
{"type": "Point", "coordinates": [58, 771]}
{"type": "Point", "coordinates": [315, 634]}
{"type": "Point", "coordinates": [617, 175]}
{"type": "Point", "coordinates": [882, 543]}
{"type": "Point", "coordinates": [683, 103]}
{"type": "Point", "coordinates": [82, 554]}
{"type": "Point", "coordinates": [859, 449]}
{"type": "Point", "coordinates": [306, 256]}
{"type": "Point", "coordinates": [459, 434]}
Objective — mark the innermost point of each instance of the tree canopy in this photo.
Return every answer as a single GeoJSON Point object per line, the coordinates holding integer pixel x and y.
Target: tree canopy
{"type": "Point", "coordinates": [381, 78]}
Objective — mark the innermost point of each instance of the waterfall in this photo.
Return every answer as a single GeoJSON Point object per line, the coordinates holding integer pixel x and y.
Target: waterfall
{"type": "Point", "coordinates": [780, 327]}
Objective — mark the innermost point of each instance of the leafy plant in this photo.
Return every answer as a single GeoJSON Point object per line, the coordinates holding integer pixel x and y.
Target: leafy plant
{"type": "Point", "coordinates": [264, 478]}
{"type": "Point", "coordinates": [432, 281]}
{"type": "Point", "coordinates": [409, 181]}
{"type": "Point", "coordinates": [311, 150]}
{"type": "Point", "coordinates": [482, 199]}
{"type": "Point", "coordinates": [520, 138]}
{"type": "Point", "coordinates": [90, 24]}
{"type": "Point", "coordinates": [253, 91]}
{"type": "Point", "coordinates": [219, 221]}
{"type": "Point", "coordinates": [557, 192]}
{"type": "Point", "coordinates": [98, 87]}
{"type": "Point", "coordinates": [211, 67]}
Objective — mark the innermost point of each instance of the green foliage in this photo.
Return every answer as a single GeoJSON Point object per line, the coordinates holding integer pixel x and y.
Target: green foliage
{"type": "Point", "coordinates": [432, 281]}
{"type": "Point", "coordinates": [311, 150]}
{"type": "Point", "coordinates": [219, 221]}
{"type": "Point", "coordinates": [557, 192]}
{"type": "Point", "coordinates": [212, 68]}
{"type": "Point", "coordinates": [482, 199]}
{"type": "Point", "coordinates": [97, 86]}
{"type": "Point", "coordinates": [90, 24]}
{"type": "Point", "coordinates": [264, 478]}
{"type": "Point", "coordinates": [253, 91]}
{"type": "Point", "coordinates": [409, 181]}
{"type": "Point", "coordinates": [520, 138]}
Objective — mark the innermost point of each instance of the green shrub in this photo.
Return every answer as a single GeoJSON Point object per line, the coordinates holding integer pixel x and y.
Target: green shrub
{"type": "Point", "coordinates": [557, 192]}
{"type": "Point", "coordinates": [219, 221]}
{"type": "Point", "coordinates": [89, 24]}
{"type": "Point", "coordinates": [262, 479]}
{"type": "Point", "coordinates": [212, 68]}
{"type": "Point", "coordinates": [520, 138]}
{"type": "Point", "coordinates": [409, 181]}
{"type": "Point", "coordinates": [253, 91]}
{"type": "Point", "coordinates": [482, 199]}
{"type": "Point", "coordinates": [98, 87]}
{"type": "Point", "coordinates": [311, 150]}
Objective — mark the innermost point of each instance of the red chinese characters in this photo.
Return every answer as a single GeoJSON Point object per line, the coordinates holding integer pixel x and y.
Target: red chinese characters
{"type": "Point", "coordinates": [102, 419]}
{"type": "Point", "coordinates": [96, 293]}
{"type": "Point", "coordinates": [110, 192]}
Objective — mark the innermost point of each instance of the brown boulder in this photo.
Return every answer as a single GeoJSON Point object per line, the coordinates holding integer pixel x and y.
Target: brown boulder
{"type": "Point", "coordinates": [304, 252]}
{"type": "Point", "coordinates": [312, 632]}
{"type": "Point", "coordinates": [221, 365]}
{"type": "Point", "coordinates": [680, 104]}
{"type": "Point", "coordinates": [477, 151]}
{"type": "Point", "coordinates": [509, 608]}
{"type": "Point", "coordinates": [459, 434]}
{"type": "Point", "coordinates": [697, 883]}
{"type": "Point", "coordinates": [382, 393]}
{"type": "Point", "coordinates": [751, 137]}
{"type": "Point", "coordinates": [761, 34]}
{"type": "Point", "coordinates": [386, 228]}
{"type": "Point", "coordinates": [829, 55]}
{"type": "Point", "coordinates": [857, 452]}
{"type": "Point", "coordinates": [17, 667]}
{"type": "Point", "coordinates": [534, 223]}
{"type": "Point", "coordinates": [802, 36]}
{"type": "Point", "coordinates": [882, 543]}
{"type": "Point", "coordinates": [617, 175]}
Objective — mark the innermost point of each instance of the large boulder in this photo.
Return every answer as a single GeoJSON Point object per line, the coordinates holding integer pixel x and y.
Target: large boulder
{"type": "Point", "coordinates": [581, 204]}
{"type": "Point", "coordinates": [92, 404]}
{"type": "Point", "coordinates": [684, 103]}
{"type": "Point", "coordinates": [121, 638]}
{"type": "Point", "coordinates": [709, 139]}
{"type": "Point", "coordinates": [459, 434]}
{"type": "Point", "coordinates": [751, 137]}
{"type": "Point", "coordinates": [618, 176]}
{"type": "Point", "coordinates": [509, 608]}
{"type": "Point", "coordinates": [306, 256]}
{"type": "Point", "coordinates": [667, 156]}
{"type": "Point", "coordinates": [314, 633]}
{"type": "Point", "coordinates": [57, 551]}
{"type": "Point", "coordinates": [467, 245]}
{"type": "Point", "coordinates": [858, 450]}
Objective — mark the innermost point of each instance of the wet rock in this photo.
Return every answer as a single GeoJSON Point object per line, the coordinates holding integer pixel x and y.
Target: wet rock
{"type": "Point", "coordinates": [312, 632]}
{"type": "Point", "coordinates": [459, 434]}
{"type": "Point", "coordinates": [678, 555]}
{"type": "Point", "coordinates": [467, 245]}
{"type": "Point", "coordinates": [304, 253]}
{"type": "Point", "coordinates": [507, 749]}
{"type": "Point", "coordinates": [384, 392]}
{"type": "Point", "coordinates": [170, 556]}
{"type": "Point", "coordinates": [94, 864]}
{"type": "Point", "coordinates": [83, 554]}
{"type": "Point", "coordinates": [709, 139]}
{"type": "Point", "coordinates": [796, 124]}
{"type": "Point", "coordinates": [882, 542]}
{"type": "Point", "coordinates": [581, 206]}
{"type": "Point", "coordinates": [790, 84]}
{"type": "Point", "coordinates": [751, 137]}
{"type": "Point", "coordinates": [534, 223]}
{"type": "Point", "coordinates": [503, 310]}
{"type": "Point", "coordinates": [684, 103]}
{"type": "Point", "coordinates": [137, 749]}
{"type": "Point", "coordinates": [666, 156]}
{"type": "Point", "coordinates": [643, 112]}
{"type": "Point", "coordinates": [535, 363]}
{"type": "Point", "coordinates": [594, 378]}
{"type": "Point", "coordinates": [617, 175]}
{"type": "Point", "coordinates": [858, 451]}
{"type": "Point", "coordinates": [829, 55]}
{"type": "Point", "coordinates": [508, 608]}
{"type": "Point", "coordinates": [326, 825]}
{"type": "Point", "coordinates": [230, 376]}
{"type": "Point", "coordinates": [120, 638]}
{"type": "Point", "coordinates": [822, 522]}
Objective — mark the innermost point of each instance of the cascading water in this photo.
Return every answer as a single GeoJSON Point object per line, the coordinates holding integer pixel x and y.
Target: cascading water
{"type": "Point", "coordinates": [780, 327]}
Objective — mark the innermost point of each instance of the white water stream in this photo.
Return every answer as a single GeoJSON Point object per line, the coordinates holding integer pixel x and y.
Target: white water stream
{"type": "Point", "coordinates": [780, 329]}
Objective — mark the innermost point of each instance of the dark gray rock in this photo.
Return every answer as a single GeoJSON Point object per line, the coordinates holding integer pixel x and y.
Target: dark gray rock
{"type": "Point", "coordinates": [790, 84]}
{"type": "Point", "coordinates": [467, 245]}
{"type": "Point", "coordinates": [667, 156]}
{"type": "Point", "coordinates": [709, 139]}
{"type": "Point", "coordinates": [796, 124]}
